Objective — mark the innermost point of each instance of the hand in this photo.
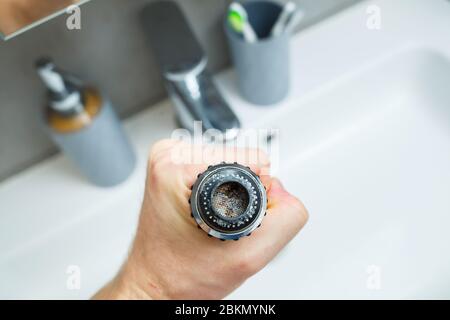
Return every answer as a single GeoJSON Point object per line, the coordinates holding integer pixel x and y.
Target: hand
{"type": "Point", "coordinates": [171, 258]}
{"type": "Point", "coordinates": [17, 14]}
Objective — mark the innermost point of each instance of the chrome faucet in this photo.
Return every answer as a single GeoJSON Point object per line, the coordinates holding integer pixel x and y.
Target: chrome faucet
{"type": "Point", "coordinates": [183, 65]}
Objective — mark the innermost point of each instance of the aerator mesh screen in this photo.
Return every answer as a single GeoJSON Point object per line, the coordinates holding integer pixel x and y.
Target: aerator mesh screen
{"type": "Point", "coordinates": [230, 200]}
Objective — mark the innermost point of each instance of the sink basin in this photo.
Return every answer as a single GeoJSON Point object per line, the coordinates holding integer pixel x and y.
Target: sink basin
{"type": "Point", "coordinates": [364, 141]}
{"type": "Point", "coordinates": [372, 164]}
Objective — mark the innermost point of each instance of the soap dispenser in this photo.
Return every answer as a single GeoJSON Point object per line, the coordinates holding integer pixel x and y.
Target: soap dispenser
{"type": "Point", "coordinates": [85, 127]}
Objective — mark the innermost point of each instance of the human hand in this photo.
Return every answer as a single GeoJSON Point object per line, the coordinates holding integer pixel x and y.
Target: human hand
{"type": "Point", "coordinates": [17, 14]}
{"type": "Point", "coordinates": [171, 258]}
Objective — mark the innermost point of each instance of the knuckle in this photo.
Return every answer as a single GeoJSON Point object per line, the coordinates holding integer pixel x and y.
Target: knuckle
{"type": "Point", "coordinates": [160, 154]}
{"type": "Point", "coordinates": [157, 167]}
{"type": "Point", "coordinates": [161, 146]}
{"type": "Point", "coordinates": [153, 170]}
{"type": "Point", "coordinates": [154, 165]}
{"type": "Point", "coordinates": [258, 156]}
{"type": "Point", "coordinates": [263, 156]}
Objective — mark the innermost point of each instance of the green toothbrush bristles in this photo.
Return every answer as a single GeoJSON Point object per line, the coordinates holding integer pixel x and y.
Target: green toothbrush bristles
{"type": "Point", "coordinates": [236, 21]}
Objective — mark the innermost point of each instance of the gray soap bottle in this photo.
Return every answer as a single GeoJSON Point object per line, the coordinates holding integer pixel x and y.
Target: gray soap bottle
{"type": "Point", "coordinates": [86, 128]}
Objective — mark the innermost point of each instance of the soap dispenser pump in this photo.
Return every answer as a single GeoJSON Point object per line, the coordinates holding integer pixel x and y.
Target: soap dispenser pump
{"type": "Point", "coordinates": [85, 127]}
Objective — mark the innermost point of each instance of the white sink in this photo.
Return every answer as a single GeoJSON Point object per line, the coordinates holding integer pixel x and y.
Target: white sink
{"type": "Point", "coordinates": [364, 142]}
{"type": "Point", "coordinates": [372, 164]}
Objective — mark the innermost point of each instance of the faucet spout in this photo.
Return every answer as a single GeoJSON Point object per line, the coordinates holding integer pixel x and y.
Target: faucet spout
{"type": "Point", "coordinates": [183, 65]}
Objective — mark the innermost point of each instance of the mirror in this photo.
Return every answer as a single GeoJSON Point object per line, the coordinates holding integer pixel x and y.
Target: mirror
{"type": "Point", "coordinates": [17, 16]}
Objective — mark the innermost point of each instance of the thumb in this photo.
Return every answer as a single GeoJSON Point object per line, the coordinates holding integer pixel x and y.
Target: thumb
{"type": "Point", "coordinates": [288, 215]}
{"type": "Point", "coordinates": [279, 197]}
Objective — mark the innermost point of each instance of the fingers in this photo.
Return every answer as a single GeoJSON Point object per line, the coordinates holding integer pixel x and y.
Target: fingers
{"type": "Point", "coordinates": [194, 159]}
{"type": "Point", "coordinates": [290, 212]}
{"type": "Point", "coordinates": [257, 160]}
{"type": "Point", "coordinates": [286, 216]}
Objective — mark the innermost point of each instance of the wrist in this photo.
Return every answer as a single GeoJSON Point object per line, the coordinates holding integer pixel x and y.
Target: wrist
{"type": "Point", "coordinates": [130, 284]}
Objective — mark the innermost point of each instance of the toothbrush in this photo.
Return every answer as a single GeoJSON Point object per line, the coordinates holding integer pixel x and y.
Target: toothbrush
{"type": "Point", "coordinates": [294, 21]}
{"type": "Point", "coordinates": [284, 18]}
{"type": "Point", "coordinates": [238, 19]}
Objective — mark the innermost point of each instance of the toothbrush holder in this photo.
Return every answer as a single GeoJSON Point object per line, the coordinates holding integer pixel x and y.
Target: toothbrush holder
{"type": "Point", "coordinates": [262, 67]}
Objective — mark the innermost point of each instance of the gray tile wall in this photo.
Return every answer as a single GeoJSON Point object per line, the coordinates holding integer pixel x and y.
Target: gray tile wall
{"type": "Point", "coordinates": [109, 51]}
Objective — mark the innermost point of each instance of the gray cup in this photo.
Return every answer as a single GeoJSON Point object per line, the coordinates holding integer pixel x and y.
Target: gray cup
{"type": "Point", "coordinates": [262, 67]}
